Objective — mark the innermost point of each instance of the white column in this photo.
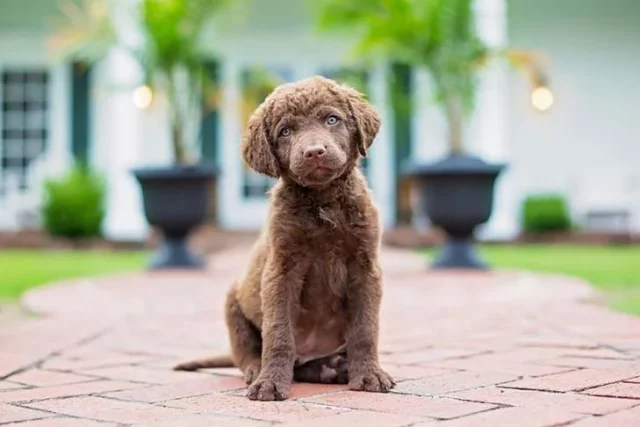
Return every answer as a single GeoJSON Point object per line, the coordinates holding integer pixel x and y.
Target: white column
{"type": "Point", "coordinates": [382, 153]}
{"type": "Point", "coordinates": [487, 133]}
{"type": "Point", "coordinates": [230, 178]}
{"type": "Point", "coordinates": [429, 127]}
{"type": "Point", "coordinates": [122, 134]}
{"type": "Point", "coordinates": [59, 156]}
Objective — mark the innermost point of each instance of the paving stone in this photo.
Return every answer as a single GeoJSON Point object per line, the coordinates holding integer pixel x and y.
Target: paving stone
{"type": "Point", "coordinates": [98, 408]}
{"type": "Point", "coordinates": [12, 414]}
{"type": "Point", "coordinates": [412, 372]}
{"type": "Point", "coordinates": [302, 391]}
{"type": "Point", "coordinates": [93, 360]}
{"type": "Point", "coordinates": [241, 406]}
{"type": "Point", "coordinates": [627, 418]}
{"type": "Point", "coordinates": [626, 390]}
{"type": "Point", "coordinates": [571, 402]}
{"type": "Point", "coordinates": [509, 417]}
{"type": "Point", "coordinates": [573, 381]}
{"type": "Point", "coordinates": [43, 378]}
{"type": "Point", "coordinates": [65, 422]}
{"type": "Point", "coordinates": [441, 408]}
{"type": "Point", "coordinates": [429, 355]}
{"type": "Point", "coordinates": [594, 363]}
{"type": "Point", "coordinates": [143, 375]}
{"type": "Point", "coordinates": [64, 390]}
{"type": "Point", "coordinates": [444, 384]}
{"type": "Point", "coordinates": [205, 421]}
{"type": "Point", "coordinates": [354, 418]}
{"type": "Point", "coordinates": [503, 367]}
{"type": "Point", "coordinates": [195, 387]}
{"type": "Point", "coordinates": [7, 385]}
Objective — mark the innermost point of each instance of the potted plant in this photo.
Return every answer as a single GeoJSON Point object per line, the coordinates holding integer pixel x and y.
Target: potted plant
{"type": "Point", "coordinates": [170, 52]}
{"type": "Point", "coordinates": [440, 37]}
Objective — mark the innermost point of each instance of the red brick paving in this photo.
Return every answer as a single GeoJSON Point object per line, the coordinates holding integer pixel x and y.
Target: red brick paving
{"type": "Point", "coordinates": [627, 418]}
{"type": "Point", "coordinates": [579, 380]}
{"type": "Point", "coordinates": [68, 390]}
{"type": "Point", "coordinates": [517, 416]}
{"type": "Point", "coordinates": [420, 406]}
{"type": "Point", "coordinates": [573, 402]}
{"type": "Point", "coordinates": [44, 378]}
{"type": "Point", "coordinates": [65, 422]}
{"type": "Point", "coordinates": [242, 407]}
{"type": "Point", "coordinates": [355, 418]}
{"type": "Point", "coordinates": [13, 414]}
{"type": "Point", "coordinates": [103, 409]}
{"type": "Point", "coordinates": [467, 349]}
{"type": "Point", "coordinates": [628, 390]}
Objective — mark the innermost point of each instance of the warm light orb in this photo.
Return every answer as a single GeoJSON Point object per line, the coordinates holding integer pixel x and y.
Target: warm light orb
{"type": "Point", "coordinates": [142, 96]}
{"type": "Point", "coordinates": [542, 98]}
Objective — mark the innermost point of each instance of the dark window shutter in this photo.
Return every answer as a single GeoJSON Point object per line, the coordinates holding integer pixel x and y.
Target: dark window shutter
{"type": "Point", "coordinates": [80, 110]}
{"type": "Point", "coordinates": [210, 120]}
{"type": "Point", "coordinates": [401, 100]}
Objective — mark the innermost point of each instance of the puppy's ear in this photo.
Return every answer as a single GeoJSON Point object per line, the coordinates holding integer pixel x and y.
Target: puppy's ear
{"type": "Point", "coordinates": [365, 117]}
{"type": "Point", "coordinates": [257, 149]}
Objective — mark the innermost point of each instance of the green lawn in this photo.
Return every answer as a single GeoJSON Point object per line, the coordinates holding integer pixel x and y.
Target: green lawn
{"type": "Point", "coordinates": [615, 270]}
{"type": "Point", "coordinates": [24, 269]}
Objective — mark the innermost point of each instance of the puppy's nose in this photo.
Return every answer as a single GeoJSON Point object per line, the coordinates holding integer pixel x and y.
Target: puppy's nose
{"type": "Point", "coordinates": [314, 152]}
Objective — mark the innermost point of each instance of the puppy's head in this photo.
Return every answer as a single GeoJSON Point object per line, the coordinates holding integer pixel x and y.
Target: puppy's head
{"type": "Point", "coordinates": [311, 131]}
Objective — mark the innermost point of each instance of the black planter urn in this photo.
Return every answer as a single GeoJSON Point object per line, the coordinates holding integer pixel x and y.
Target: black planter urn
{"type": "Point", "coordinates": [457, 194]}
{"type": "Point", "coordinates": [175, 201]}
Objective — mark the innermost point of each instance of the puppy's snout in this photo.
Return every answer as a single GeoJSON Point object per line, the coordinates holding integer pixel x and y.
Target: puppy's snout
{"type": "Point", "coordinates": [315, 152]}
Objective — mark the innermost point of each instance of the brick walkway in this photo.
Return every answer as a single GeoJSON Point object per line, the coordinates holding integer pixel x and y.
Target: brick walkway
{"type": "Point", "coordinates": [503, 349]}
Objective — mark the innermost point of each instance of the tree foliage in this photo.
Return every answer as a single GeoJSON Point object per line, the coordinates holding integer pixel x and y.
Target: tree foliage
{"type": "Point", "coordinates": [172, 52]}
{"type": "Point", "coordinates": [437, 35]}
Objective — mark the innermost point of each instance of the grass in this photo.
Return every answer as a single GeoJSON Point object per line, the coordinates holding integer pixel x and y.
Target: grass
{"type": "Point", "coordinates": [24, 269]}
{"type": "Point", "coordinates": [615, 270]}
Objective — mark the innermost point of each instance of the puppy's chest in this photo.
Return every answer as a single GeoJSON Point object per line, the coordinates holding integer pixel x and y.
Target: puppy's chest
{"type": "Point", "coordinates": [320, 326]}
{"type": "Point", "coordinates": [335, 224]}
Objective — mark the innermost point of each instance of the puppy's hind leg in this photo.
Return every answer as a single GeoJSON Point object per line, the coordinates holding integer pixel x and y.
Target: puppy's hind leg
{"type": "Point", "coordinates": [245, 339]}
{"type": "Point", "coordinates": [328, 370]}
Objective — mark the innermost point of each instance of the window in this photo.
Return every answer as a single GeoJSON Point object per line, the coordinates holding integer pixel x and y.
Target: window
{"type": "Point", "coordinates": [24, 123]}
{"type": "Point", "coordinates": [257, 84]}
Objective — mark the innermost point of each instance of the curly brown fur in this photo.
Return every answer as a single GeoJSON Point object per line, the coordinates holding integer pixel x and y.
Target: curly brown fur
{"type": "Point", "coordinates": [307, 307]}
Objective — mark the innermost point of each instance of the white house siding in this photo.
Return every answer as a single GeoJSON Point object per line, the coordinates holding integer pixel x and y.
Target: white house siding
{"type": "Point", "coordinates": [588, 145]}
{"type": "Point", "coordinates": [22, 49]}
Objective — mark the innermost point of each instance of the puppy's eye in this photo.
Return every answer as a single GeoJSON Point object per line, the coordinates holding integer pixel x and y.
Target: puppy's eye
{"type": "Point", "coordinates": [332, 120]}
{"type": "Point", "coordinates": [285, 132]}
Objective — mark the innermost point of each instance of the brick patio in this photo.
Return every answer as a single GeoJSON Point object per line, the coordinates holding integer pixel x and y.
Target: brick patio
{"type": "Point", "coordinates": [467, 349]}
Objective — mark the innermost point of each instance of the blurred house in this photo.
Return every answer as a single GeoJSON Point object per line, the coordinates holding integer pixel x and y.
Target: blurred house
{"type": "Point", "coordinates": [585, 146]}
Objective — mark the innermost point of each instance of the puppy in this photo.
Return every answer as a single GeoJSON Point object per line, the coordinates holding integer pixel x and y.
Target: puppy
{"type": "Point", "coordinates": [307, 308]}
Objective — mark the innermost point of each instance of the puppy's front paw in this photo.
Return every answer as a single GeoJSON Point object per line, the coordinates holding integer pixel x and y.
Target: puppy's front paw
{"type": "Point", "coordinates": [251, 372]}
{"type": "Point", "coordinates": [268, 389]}
{"type": "Point", "coordinates": [374, 380]}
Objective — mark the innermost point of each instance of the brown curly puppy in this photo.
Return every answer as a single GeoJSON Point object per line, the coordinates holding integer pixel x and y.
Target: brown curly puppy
{"type": "Point", "coordinates": [307, 307]}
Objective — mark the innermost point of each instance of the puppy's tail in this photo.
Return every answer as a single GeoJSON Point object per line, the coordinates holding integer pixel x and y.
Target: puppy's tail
{"type": "Point", "coordinates": [222, 361]}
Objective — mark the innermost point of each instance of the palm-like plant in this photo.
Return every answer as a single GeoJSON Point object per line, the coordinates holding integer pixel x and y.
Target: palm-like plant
{"type": "Point", "coordinates": [437, 35]}
{"type": "Point", "coordinates": [171, 51]}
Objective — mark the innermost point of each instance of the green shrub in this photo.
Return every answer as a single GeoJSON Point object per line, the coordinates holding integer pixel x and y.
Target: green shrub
{"type": "Point", "coordinates": [545, 213]}
{"type": "Point", "coordinates": [74, 204]}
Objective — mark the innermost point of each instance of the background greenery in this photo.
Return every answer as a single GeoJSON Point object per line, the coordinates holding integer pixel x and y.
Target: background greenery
{"type": "Point", "coordinates": [545, 213]}
{"type": "Point", "coordinates": [74, 204]}
{"type": "Point", "coordinates": [614, 270]}
{"type": "Point", "coordinates": [24, 269]}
